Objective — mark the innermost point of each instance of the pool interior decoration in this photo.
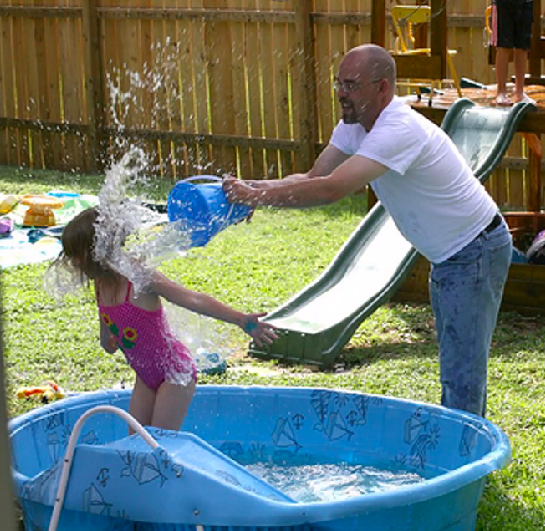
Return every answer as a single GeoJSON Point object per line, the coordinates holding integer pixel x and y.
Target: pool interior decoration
{"type": "Point", "coordinates": [370, 462]}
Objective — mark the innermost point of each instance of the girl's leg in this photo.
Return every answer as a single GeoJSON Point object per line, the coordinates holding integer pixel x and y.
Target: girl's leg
{"type": "Point", "coordinates": [142, 403]}
{"type": "Point", "coordinates": [171, 405]}
{"type": "Point", "coordinates": [502, 64]}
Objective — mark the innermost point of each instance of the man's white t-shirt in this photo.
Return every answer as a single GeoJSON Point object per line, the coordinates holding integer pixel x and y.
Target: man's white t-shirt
{"type": "Point", "coordinates": [429, 190]}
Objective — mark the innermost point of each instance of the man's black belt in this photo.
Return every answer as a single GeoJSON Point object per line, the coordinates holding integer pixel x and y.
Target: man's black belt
{"type": "Point", "coordinates": [496, 222]}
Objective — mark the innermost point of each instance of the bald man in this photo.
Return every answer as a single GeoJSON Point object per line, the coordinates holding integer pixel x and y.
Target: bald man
{"type": "Point", "coordinates": [434, 199]}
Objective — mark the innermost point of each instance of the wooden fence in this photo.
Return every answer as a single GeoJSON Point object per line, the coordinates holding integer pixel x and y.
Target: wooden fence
{"type": "Point", "coordinates": [203, 86]}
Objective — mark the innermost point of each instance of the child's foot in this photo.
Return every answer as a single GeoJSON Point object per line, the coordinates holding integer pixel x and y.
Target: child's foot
{"type": "Point", "coordinates": [503, 99]}
{"type": "Point", "coordinates": [523, 97]}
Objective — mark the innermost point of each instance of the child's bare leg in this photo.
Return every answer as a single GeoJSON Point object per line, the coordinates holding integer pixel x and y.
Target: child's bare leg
{"type": "Point", "coordinates": [171, 405]}
{"type": "Point", "coordinates": [502, 64]}
{"type": "Point", "coordinates": [520, 60]}
{"type": "Point", "coordinates": [142, 403]}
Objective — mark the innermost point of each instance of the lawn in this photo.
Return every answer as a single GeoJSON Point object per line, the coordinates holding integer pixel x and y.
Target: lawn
{"type": "Point", "coordinates": [255, 267]}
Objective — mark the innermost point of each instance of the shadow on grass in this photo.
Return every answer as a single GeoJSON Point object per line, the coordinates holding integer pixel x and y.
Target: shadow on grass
{"type": "Point", "coordinates": [403, 331]}
{"type": "Point", "coordinates": [354, 356]}
{"type": "Point", "coordinates": [515, 332]}
{"type": "Point", "coordinates": [513, 516]}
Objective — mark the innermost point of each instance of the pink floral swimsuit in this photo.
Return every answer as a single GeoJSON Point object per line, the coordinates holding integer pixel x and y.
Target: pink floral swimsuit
{"type": "Point", "coordinates": [149, 345]}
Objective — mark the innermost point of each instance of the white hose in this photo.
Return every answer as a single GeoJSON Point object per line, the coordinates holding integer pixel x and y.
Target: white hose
{"type": "Point", "coordinates": [68, 456]}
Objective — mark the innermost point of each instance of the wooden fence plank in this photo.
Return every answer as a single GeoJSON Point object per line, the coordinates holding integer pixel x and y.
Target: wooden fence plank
{"type": "Point", "coordinates": [268, 89]}
{"type": "Point", "coordinates": [187, 94]}
{"type": "Point", "coordinates": [152, 41]}
{"type": "Point", "coordinates": [338, 49]}
{"type": "Point", "coordinates": [500, 188]}
{"type": "Point", "coordinates": [460, 39]}
{"type": "Point", "coordinates": [112, 88]}
{"type": "Point", "coordinates": [43, 64]}
{"type": "Point", "coordinates": [67, 91]}
{"type": "Point", "coordinates": [481, 70]}
{"type": "Point", "coordinates": [304, 32]}
{"type": "Point", "coordinates": [6, 89]}
{"type": "Point", "coordinates": [219, 70]}
{"type": "Point", "coordinates": [365, 29]}
{"type": "Point", "coordinates": [351, 7]}
{"type": "Point", "coordinates": [79, 100]}
{"type": "Point", "coordinates": [324, 100]}
{"type": "Point", "coordinates": [240, 100]}
{"type": "Point", "coordinates": [283, 91]}
{"type": "Point", "coordinates": [127, 41]}
{"type": "Point", "coordinates": [21, 87]}
{"type": "Point", "coordinates": [94, 85]}
{"type": "Point", "coordinates": [295, 77]}
{"type": "Point", "coordinates": [4, 141]}
{"type": "Point", "coordinates": [163, 56]}
{"type": "Point", "coordinates": [203, 152]}
{"type": "Point", "coordinates": [154, 91]}
{"type": "Point", "coordinates": [146, 73]}
{"type": "Point", "coordinates": [34, 46]}
{"type": "Point", "coordinates": [53, 103]}
{"type": "Point", "coordinates": [255, 100]}
{"type": "Point", "coordinates": [515, 178]}
{"type": "Point", "coordinates": [169, 70]}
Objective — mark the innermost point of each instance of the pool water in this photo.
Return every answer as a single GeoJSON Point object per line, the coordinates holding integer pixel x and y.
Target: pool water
{"type": "Point", "coordinates": [331, 482]}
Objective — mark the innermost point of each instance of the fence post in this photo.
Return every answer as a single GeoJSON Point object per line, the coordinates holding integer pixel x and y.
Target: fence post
{"type": "Point", "coordinates": [378, 22]}
{"type": "Point", "coordinates": [438, 26]}
{"type": "Point", "coordinates": [535, 53]}
{"type": "Point", "coordinates": [94, 85]}
{"type": "Point", "coordinates": [304, 31]}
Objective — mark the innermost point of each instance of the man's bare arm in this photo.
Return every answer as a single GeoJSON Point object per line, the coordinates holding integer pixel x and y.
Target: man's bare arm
{"type": "Point", "coordinates": [352, 175]}
{"type": "Point", "coordinates": [327, 161]}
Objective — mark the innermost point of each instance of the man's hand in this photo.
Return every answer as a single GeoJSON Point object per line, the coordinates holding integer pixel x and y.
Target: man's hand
{"type": "Point", "coordinates": [238, 191]}
{"type": "Point", "coordinates": [230, 189]}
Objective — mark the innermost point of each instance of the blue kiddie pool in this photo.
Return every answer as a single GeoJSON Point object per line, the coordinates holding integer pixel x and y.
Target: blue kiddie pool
{"type": "Point", "coordinates": [216, 474]}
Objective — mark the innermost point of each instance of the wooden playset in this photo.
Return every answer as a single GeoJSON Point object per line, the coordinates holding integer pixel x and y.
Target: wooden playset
{"type": "Point", "coordinates": [525, 289]}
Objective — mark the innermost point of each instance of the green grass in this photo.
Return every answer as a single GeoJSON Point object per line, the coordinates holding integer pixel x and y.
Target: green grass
{"type": "Point", "coordinates": [256, 267]}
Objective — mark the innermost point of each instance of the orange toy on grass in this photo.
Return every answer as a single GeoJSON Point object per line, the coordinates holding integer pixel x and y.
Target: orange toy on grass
{"type": "Point", "coordinates": [40, 210]}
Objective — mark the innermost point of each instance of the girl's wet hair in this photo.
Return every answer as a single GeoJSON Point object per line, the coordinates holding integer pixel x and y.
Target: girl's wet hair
{"type": "Point", "coordinates": [78, 241]}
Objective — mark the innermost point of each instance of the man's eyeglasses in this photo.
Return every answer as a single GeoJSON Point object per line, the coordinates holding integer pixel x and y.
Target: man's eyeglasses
{"type": "Point", "coordinates": [351, 86]}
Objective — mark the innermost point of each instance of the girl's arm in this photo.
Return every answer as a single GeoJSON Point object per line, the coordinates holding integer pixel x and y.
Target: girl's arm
{"type": "Point", "coordinates": [204, 304]}
{"type": "Point", "coordinates": [107, 340]}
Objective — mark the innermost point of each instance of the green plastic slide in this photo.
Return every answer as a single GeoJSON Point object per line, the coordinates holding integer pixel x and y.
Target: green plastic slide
{"type": "Point", "coordinates": [316, 323]}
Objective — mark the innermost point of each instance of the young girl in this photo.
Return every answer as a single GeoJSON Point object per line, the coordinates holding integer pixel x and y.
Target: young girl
{"type": "Point", "coordinates": [136, 323]}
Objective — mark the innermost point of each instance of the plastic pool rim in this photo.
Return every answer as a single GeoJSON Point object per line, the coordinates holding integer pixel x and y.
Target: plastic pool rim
{"type": "Point", "coordinates": [309, 512]}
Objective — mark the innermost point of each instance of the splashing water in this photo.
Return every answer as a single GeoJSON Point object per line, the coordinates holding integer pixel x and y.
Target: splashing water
{"type": "Point", "coordinates": [132, 239]}
{"type": "Point", "coordinates": [331, 482]}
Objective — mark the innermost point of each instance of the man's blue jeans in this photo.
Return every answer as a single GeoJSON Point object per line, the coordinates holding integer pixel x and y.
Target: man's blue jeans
{"type": "Point", "coordinates": [466, 292]}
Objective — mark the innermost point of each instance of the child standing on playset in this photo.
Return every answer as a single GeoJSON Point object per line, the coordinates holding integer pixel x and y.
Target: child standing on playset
{"type": "Point", "coordinates": [512, 30]}
{"type": "Point", "coordinates": [136, 324]}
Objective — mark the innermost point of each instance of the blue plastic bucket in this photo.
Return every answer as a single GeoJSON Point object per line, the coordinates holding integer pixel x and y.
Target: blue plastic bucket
{"type": "Point", "coordinates": [203, 209]}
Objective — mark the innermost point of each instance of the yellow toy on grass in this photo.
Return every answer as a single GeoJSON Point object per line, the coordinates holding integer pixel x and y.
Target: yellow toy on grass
{"type": "Point", "coordinates": [40, 211]}
{"type": "Point", "coordinates": [44, 393]}
{"type": "Point", "coordinates": [7, 203]}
